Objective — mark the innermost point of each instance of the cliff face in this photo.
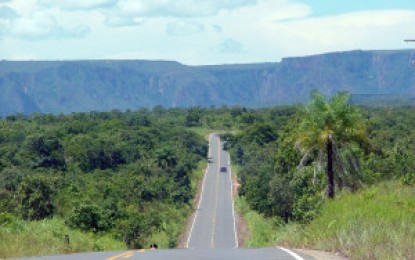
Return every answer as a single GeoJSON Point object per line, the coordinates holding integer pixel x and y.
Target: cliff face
{"type": "Point", "coordinates": [72, 86]}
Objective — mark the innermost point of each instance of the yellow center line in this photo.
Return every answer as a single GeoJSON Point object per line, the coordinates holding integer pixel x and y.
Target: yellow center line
{"type": "Point", "coordinates": [212, 241]}
{"type": "Point", "coordinates": [127, 254]}
{"type": "Point", "coordinates": [123, 255]}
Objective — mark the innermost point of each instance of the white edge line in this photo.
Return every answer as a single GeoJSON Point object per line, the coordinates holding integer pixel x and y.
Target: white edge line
{"type": "Point", "coordinates": [297, 257]}
{"type": "Point", "coordinates": [200, 199]}
{"type": "Point", "coordinates": [233, 203]}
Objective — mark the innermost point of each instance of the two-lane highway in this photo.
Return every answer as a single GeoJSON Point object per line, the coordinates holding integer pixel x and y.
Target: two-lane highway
{"type": "Point", "coordinates": [213, 234]}
{"type": "Point", "coordinates": [214, 222]}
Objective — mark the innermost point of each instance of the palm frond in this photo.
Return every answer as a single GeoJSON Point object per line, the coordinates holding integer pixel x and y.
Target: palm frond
{"type": "Point", "coordinates": [305, 158]}
{"type": "Point", "coordinates": [336, 120]}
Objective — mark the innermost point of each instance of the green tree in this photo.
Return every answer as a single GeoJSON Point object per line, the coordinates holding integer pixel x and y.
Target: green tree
{"type": "Point", "coordinates": [326, 127]}
{"type": "Point", "coordinates": [91, 217]}
{"type": "Point", "coordinates": [260, 133]}
{"type": "Point", "coordinates": [281, 198]}
{"type": "Point", "coordinates": [36, 198]}
{"type": "Point", "coordinates": [193, 117]}
{"type": "Point", "coordinates": [10, 178]}
{"type": "Point", "coordinates": [47, 151]}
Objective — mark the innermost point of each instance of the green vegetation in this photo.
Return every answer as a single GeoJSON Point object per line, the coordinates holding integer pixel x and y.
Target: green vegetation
{"type": "Point", "coordinates": [280, 189]}
{"type": "Point", "coordinates": [325, 128]}
{"type": "Point", "coordinates": [110, 176]}
{"type": "Point", "coordinates": [377, 223]}
{"type": "Point", "coordinates": [263, 230]}
{"type": "Point", "coordinates": [113, 180]}
{"type": "Point", "coordinates": [275, 184]}
{"type": "Point", "coordinates": [48, 237]}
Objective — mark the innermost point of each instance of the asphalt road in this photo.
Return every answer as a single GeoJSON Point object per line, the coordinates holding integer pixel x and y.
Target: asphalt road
{"type": "Point", "coordinates": [214, 223]}
{"type": "Point", "coordinates": [182, 254]}
{"type": "Point", "coordinates": [213, 234]}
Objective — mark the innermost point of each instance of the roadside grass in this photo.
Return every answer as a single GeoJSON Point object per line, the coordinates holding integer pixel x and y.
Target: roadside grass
{"type": "Point", "coordinates": [377, 223]}
{"type": "Point", "coordinates": [20, 238]}
{"type": "Point", "coordinates": [262, 231]}
{"type": "Point", "coordinates": [204, 132]}
{"type": "Point", "coordinates": [168, 236]}
{"type": "Point", "coordinates": [173, 229]}
{"type": "Point", "coordinates": [197, 175]}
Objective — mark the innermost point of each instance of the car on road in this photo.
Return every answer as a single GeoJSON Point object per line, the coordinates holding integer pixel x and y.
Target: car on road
{"type": "Point", "coordinates": [223, 169]}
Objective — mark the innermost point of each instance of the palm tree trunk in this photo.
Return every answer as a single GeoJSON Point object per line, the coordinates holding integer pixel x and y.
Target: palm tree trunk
{"type": "Point", "coordinates": [330, 174]}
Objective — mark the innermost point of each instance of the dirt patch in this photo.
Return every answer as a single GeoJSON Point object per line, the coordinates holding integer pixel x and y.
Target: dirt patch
{"type": "Point", "coordinates": [242, 230]}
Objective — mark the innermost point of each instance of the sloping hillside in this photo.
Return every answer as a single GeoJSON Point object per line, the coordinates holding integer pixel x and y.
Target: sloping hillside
{"type": "Point", "coordinates": [102, 85]}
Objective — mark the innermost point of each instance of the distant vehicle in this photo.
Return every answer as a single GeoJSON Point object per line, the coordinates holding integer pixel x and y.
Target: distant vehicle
{"type": "Point", "coordinates": [223, 169]}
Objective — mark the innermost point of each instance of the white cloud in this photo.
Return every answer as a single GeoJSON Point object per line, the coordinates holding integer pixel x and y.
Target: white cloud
{"type": "Point", "coordinates": [23, 56]}
{"type": "Point", "coordinates": [77, 4]}
{"type": "Point", "coordinates": [41, 25]}
{"type": "Point", "coordinates": [36, 26]}
{"type": "Point", "coordinates": [217, 28]}
{"type": "Point", "coordinates": [275, 29]}
{"type": "Point", "coordinates": [212, 31]}
{"type": "Point", "coordinates": [119, 21]}
{"type": "Point", "coordinates": [358, 30]}
{"type": "Point", "coordinates": [7, 13]}
{"type": "Point", "coordinates": [231, 46]}
{"type": "Point", "coordinates": [183, 27]}
{"type": "Point", "coordinates": [77, 32]}
{"type": "Point", "coordinates": [178, 8]}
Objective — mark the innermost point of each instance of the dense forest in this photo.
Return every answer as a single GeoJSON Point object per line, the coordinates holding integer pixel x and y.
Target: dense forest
{"type": "Point", "coordinates": [280, 180]}
{"type": "Point", "coordinates": [128, 174]}
{"type": "Point", "coordinates": [133, 174]}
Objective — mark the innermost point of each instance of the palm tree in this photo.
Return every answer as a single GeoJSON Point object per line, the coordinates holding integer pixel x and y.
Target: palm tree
{"type": "Point", "coordinates": [326, 127]}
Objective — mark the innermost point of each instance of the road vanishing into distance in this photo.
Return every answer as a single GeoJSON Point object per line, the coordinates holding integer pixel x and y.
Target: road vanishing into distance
{"type": "Point", "coordinates": [214, 223]}
{"type": "Point", "coordinates": [213, 232]}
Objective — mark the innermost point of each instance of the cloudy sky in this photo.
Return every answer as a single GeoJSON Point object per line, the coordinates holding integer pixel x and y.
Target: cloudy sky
{"type": "Point", "coordinates": [197, 32]}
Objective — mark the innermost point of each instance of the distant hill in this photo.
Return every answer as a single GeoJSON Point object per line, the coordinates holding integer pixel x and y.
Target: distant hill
{"type": "Point", "coordinates": [103, 85]}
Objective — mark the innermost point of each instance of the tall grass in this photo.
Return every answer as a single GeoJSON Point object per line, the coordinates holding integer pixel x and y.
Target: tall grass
{"type": "Point", "coordinates": [262, 231]}
{"type": "Point", "coordinates": [197, 175]}
{"type": "Point", "coordinates": [205, 132]}
{"type": "Point", "coordinates": [172, 228]}
{"type": "Point", "coordinates": [20, 238]}
{"type": "Point", "coordinates": [202, 132]}
{"type": "Point", "coordinates": [377, 223]}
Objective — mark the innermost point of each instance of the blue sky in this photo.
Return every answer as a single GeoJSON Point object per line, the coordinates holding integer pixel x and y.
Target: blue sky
{"type": "Point", "coordinates": [197, 32]}
{"type": "Point", "coordinates": [333, 7]}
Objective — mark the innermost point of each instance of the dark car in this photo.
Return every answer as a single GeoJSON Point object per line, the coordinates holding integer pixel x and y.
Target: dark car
{"type": "Point", "coordinates": [223, 169]}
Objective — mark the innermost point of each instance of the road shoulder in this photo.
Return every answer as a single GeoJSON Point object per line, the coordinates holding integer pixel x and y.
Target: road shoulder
{"type": "Point", "coordinates": [320, 255]}
{"type": "Point", "coordinates": [183, 239]}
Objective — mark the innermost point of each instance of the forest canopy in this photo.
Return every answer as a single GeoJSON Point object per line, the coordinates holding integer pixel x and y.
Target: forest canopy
{"type": "Point", "coordinates": [128, 174]}
{"type": "Point", "coordinates": [133, 174]}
